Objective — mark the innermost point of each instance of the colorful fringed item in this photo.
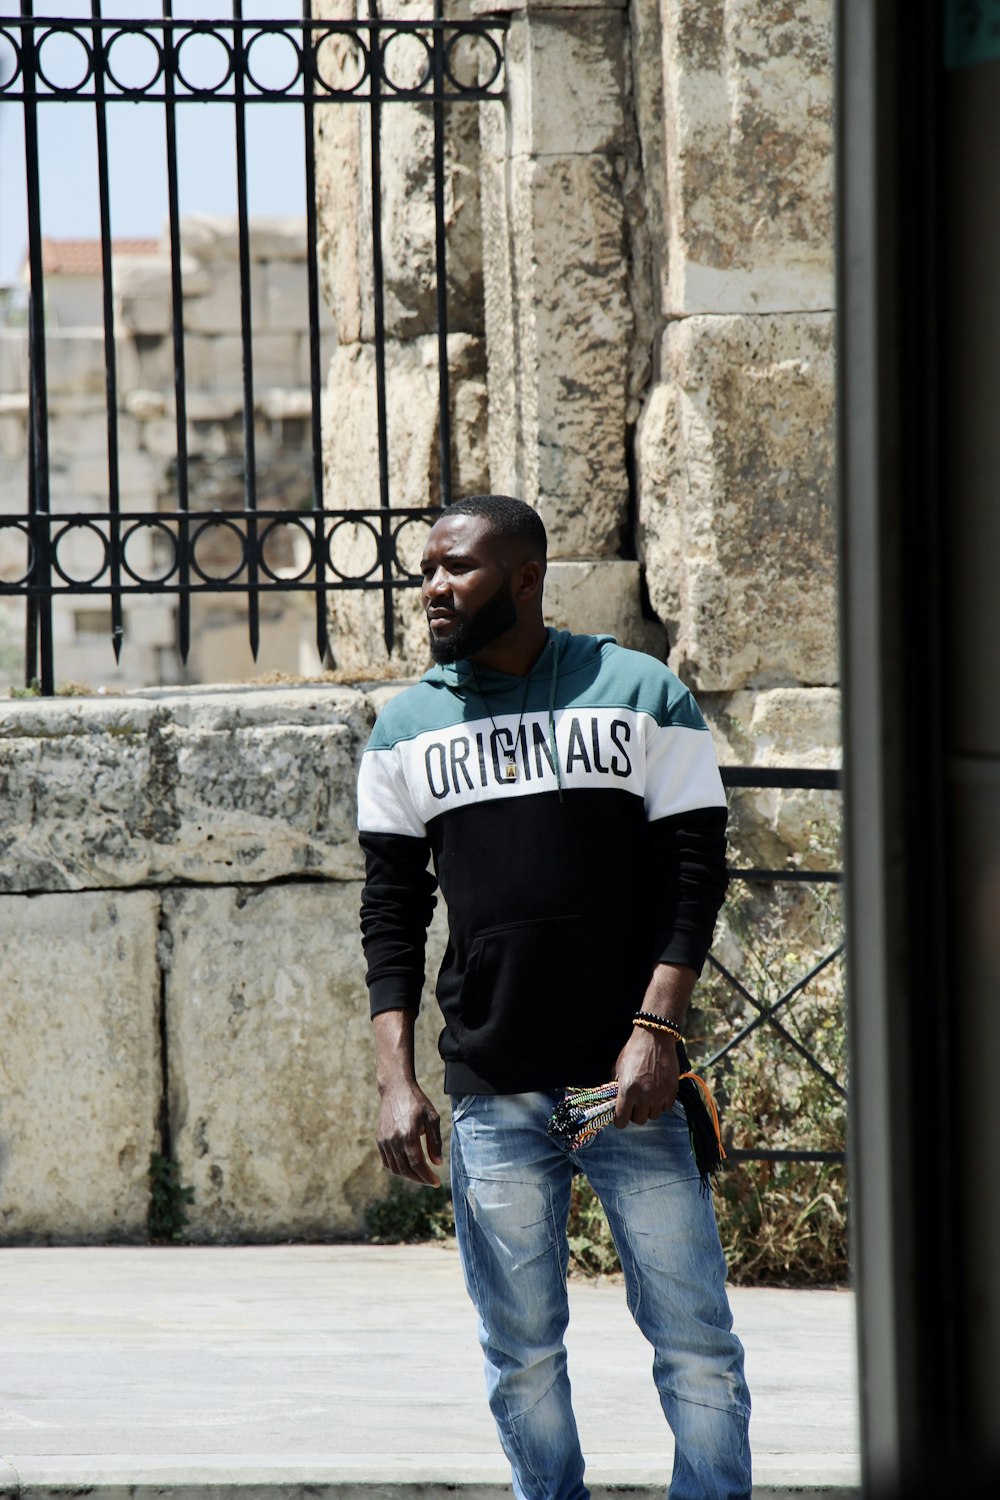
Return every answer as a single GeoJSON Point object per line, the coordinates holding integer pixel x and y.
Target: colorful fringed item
{"type": "Point", "coordinates": [583, 1113]}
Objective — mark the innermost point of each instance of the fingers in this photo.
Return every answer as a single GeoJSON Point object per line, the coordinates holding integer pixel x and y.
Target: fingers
{"type": "Point", "coordinates": [434, 1138]}
{"type": "Point", "coordinates": [402, 1150]}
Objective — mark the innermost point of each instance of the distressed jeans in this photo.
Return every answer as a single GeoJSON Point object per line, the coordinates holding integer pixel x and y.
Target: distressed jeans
{"type": "Point", "coordinates": [511, 1185]}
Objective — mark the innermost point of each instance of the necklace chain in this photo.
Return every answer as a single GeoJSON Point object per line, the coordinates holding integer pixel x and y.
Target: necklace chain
{"type": "Point", "coordinates": [510, 756]}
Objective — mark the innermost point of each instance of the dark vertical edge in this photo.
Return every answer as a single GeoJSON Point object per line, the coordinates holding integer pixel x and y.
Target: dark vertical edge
{"type": "Point", "coordinates": [110, 359]}
{"type": "Point", "coordinates": [378, 274]}
{"type": "Point", "coordinates": [315, 374]}
{"type": "Point", "coordinates": [177, 326]}
{"type": "Point", "coordinates": [41, 571]}
{"type": "Point", "coordinates": [246, 331]}
{"type": "Point", "coordinates": [441, 269]}
{"type": "Point", "coordinates": [31, 600]}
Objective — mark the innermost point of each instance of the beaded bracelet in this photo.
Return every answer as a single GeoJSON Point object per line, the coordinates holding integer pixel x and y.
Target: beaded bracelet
{"type": "Point", "coordinates": [657, 1023]}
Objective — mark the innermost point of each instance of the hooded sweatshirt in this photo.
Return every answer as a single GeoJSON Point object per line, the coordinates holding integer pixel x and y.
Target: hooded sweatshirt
{"type": "Point", "coordinates": [574, 821]}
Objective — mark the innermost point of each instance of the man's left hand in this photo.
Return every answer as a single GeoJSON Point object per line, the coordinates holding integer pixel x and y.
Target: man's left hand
{"type": "Point", "coordinates": [648, 1070]}
{"type": "Point", "coordinates": [648, 1074]}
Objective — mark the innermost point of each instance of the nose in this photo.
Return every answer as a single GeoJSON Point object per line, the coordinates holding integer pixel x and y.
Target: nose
{"type": "Point", "coordinates": [435, 584]}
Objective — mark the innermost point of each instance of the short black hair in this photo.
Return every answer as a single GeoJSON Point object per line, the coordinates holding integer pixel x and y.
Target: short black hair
{"type": "Point", "coordinates": [507, 517]}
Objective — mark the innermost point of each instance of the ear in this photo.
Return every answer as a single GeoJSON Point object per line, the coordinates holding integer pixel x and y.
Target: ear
{"type": "Point", "coordinates": [530, 576]}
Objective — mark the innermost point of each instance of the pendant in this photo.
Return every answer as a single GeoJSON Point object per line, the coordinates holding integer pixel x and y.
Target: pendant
{"type": "Point", "coordinates": [510, 769]}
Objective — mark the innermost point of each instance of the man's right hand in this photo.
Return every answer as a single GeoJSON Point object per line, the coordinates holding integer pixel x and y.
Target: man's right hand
{"type": "Point", "coordinates": [406, 1117]}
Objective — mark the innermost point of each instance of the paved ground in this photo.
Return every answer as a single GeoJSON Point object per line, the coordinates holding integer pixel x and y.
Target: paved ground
{"type": "Point", "coordinates": [354, 1371]}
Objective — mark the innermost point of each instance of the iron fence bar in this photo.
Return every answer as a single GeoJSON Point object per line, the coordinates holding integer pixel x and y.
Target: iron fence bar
{"type": "Point", "coordinates": [31, 600]}
{"type": "Point", "coordinates": [246, 332]}
{"type": "Point", "coordinates": [312, 272]}
{"type": "Point", "coordinates": [375, 60]}
{"type": "Point", "coordinates": [441, 269]}
{"type": "Point", "coordinates": [41, 570]}
{"type": "Point", "coordinates": [177, 331]}
{"type": "Point", "coordinates": [27, 24]}
{"type": "Point", "coordinates": [736, 1154]}
{"type": "Point", "coordinates": [776, 1026]}
{"type": "Point", "coordinates": [798, 778]}
{"type": "Point", "coordinates": [110, 359]}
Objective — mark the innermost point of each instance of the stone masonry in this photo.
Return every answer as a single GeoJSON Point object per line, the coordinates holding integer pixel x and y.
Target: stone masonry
{"type": "Point", "coordinates": [180, 964]}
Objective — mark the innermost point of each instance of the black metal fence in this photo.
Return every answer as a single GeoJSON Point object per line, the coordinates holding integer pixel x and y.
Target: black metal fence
{"type": "Point", "coordinates": [775, 1014]}
{"type": "Point", "coordinates": [112, 63]}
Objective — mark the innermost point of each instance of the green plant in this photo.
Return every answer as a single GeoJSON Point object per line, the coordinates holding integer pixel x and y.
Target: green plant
{"type": "Point", "coordinates": [168, 1199]}
{"type": "Point", "coordinates": [781, 1222]}
{"type": "Point", "coordinates": [408, 1214]}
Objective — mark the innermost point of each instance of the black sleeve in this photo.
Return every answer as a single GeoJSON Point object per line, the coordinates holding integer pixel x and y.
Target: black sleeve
{"type": "Point", "coordinates": [396, 905]}
{"type": "Point", "coordinates": [687, 855]}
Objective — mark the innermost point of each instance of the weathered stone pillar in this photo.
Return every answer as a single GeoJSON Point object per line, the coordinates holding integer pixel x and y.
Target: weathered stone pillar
{"type": "Point", "coordinates": [344, 206]}
{"type": "Point", "coordinates": [567, 298]}
{"type": "Point", "coordinates": [734, 451]}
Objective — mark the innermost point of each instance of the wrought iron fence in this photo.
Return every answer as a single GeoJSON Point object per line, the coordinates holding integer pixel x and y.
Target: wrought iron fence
{"type": "Point", "coordinates": [774, 1014]}
{"type": "Point", "coordinates": [107, 64]}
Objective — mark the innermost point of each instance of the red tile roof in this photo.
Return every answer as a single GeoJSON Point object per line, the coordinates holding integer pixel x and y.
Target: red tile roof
{"type": "Point", "coordinates": [83, 257]}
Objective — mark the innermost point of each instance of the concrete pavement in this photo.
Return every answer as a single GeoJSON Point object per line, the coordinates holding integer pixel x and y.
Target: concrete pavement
{"type": "Point", "coordinates": [348, 1371]}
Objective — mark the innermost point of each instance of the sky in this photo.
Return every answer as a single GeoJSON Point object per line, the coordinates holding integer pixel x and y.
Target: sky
{"type": "Point", "coordinates": [136, 135]}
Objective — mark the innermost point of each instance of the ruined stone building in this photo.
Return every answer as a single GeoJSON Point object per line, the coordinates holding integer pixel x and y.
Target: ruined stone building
{"type": "Point", "coordinates": [640, 339]}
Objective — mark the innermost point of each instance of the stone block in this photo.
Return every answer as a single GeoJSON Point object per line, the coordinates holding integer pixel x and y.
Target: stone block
{"type": "Point", "coordinates": [599, 598]}
{"type": "Point", "coordinates": [569, 329]}
{"type": "Point", "coordinates": [218, 309]}
{"type": "Point", "coordinates": [566, 83]}
{"type": "Point", "coordinates": [749, 163]}
{"type": "Point", "coordinates": [352, 478]}
{"type": "Point", "coordinates": [343, 165]}
{"type": "Point", "coordinates": [790, 727]}
{"type": "Point", "coordinates": [272, 1095]}
{"type": "Point", "coordinates": [80, 1080]}
{"type": "Point", "coordinates": [735, 480]}
{"type": "Point", "coordinates": [13, 360]}
{"type": "Point", "coordinates": [213, 785]}
{"type": "Point", "coordinates": [143, 315]}
{"type": "Point", "coordinates": [283, 303]}
{"type": "Point", "coordinates": [74, 362]}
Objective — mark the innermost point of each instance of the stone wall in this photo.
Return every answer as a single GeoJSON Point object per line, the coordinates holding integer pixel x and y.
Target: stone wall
{"type": "Point", "coordinates": [180, 964]}
{"type": "Point", "coordinates": [147, 445]}
{"type": "Point", "coordinates": [651, 360]}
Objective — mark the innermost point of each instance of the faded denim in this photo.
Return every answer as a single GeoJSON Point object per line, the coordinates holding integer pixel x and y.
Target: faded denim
{"type": "Point", "coordinates": [511, 1186]}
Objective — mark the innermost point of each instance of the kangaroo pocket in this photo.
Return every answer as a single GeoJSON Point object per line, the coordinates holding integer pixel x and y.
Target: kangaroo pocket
{"type": "Point", "coordinates": [527, 987]}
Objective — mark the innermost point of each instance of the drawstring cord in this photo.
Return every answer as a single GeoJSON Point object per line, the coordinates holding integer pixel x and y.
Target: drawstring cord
{"type": "Point", "coordinates": [553, 745]}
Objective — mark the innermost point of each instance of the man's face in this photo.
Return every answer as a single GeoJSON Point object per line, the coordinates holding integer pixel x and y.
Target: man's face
{"type": "Point", "coordinates": [466, 591]}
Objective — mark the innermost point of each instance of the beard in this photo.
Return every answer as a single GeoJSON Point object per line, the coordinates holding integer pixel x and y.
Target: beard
{"type": "Point", "coordinates": [474, 632]}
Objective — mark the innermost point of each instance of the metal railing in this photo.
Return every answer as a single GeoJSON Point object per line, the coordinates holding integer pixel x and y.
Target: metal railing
{"type": "Point", "coordinates": [774, 1013]}
{"type": "Point", "coordinates": [366, 63]}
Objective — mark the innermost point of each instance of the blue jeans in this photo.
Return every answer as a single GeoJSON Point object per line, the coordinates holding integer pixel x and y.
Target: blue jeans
{"type": "Point", "coordinates": [511, 1186]}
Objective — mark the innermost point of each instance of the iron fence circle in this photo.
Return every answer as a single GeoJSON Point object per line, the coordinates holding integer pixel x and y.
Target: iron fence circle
{"type": "Point", "coordinates": [271, 529]}
{"type": "Point", "coordinates": [145, 578]}
{"type": "Point", "coordinates": [200, 37]}
{"type": "Point", "coordinates": [60, 537]}
{"type": "Point", "coordinates": [401, 544]}
{"type": "Point", "coordinates": [415, 55]}
{"type": "Point", "coordinates": [145, 39]}
{"type": "Point", "coordinates": [363, 525]}
{"type": "Point", "coordinates": [72, 34]}
{"type": "Point", "coordinates": [9, 39]}
{"type": "Point", "coordinates": [274, 34]}
{"type": "Point", "coordinates": [326, 42]}
{"type": "Point", "coordinates": [475, 43]}
{"type": "Point", "coordinates": [8, 524]}
{"type": "Point", "coordinates": [217, 524]}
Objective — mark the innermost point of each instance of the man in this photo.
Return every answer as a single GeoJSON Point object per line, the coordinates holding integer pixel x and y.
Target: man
{"type": "Point", "coordinates": [567, 793]}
